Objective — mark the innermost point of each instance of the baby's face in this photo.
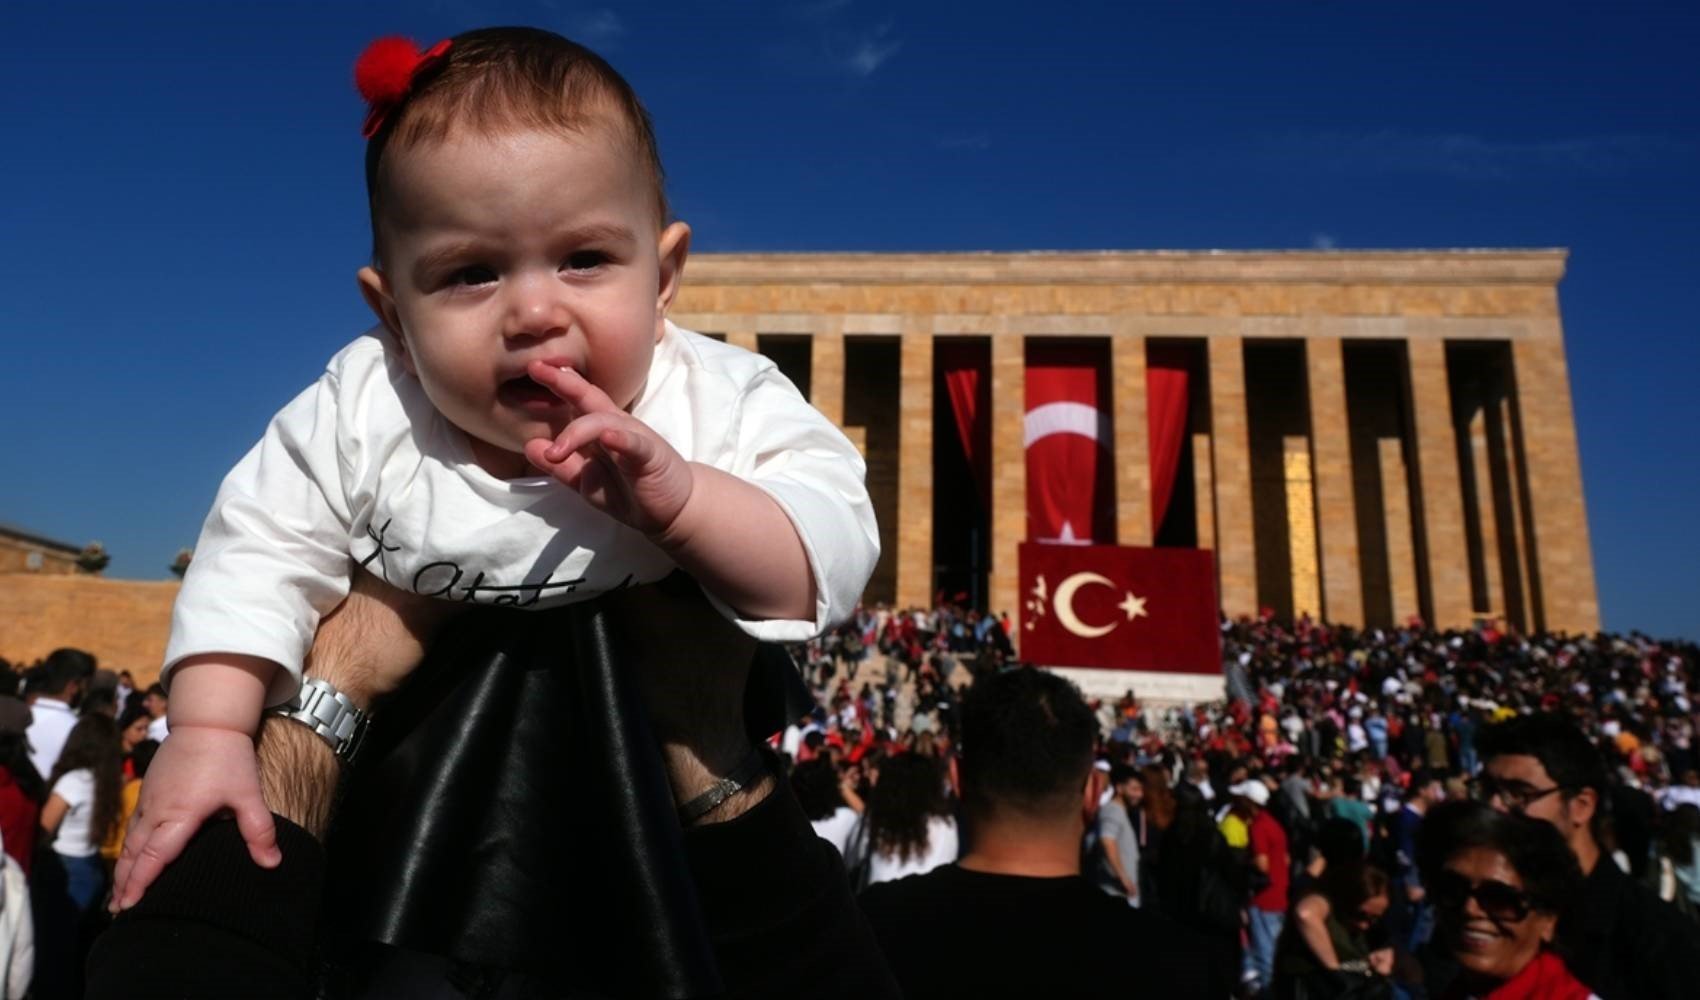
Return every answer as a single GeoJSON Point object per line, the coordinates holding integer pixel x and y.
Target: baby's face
{"type": "Point", "coordinates": [528, 246]}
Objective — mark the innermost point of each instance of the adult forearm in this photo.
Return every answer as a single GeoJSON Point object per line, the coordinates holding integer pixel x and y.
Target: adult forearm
{"type": "Point", "coordinates": [1316, 936]}
{"type": "Point", "coordinates": [298, 774]}
{"type": "Point", "coordinates": [365, 648]}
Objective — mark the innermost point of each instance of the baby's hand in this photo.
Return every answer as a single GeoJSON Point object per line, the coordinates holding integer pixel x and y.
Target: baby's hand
{"type": "Point", "coordinates": [613, 459]}
{"type": "Point", "coordinates": [198, 771]}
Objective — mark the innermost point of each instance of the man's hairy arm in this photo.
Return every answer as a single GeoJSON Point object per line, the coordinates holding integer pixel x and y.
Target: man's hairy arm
{"type": "Point", "coordinates": [691, 671]}
{"type": "Point", "coordinates": [365, 648]}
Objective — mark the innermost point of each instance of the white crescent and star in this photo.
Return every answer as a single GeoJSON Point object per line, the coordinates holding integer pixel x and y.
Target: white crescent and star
{"type": "Point", "coordinates": [1133, 606]}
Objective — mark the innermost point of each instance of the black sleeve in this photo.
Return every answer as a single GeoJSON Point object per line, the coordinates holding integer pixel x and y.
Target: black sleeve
{"type": "Point", "coordinates": [217, 925]}
{"type": "Point", "coordinates": [779, 909]}
{"type": "Point", "coordinates": [1661, 958]}
{"type": "Point", "coordinates": [775, 898]}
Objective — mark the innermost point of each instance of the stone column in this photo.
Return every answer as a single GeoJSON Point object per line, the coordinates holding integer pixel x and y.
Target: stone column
{"type": "Point", "coordinates": [1203, 492]}
{"type": "Point", "coordinates": [915, 468]}
{"type": "Point", "coordinates": [1447, 556]}
{"type": "Point", "coordinates": [1133, 442]}
{"type": "Point", "coordinates": [1331, 449]}
{"type": "Point", "coordinates": [1487, 517]}
{"type": "Point", "coordinates": [1522, 569]}
{"type": "Point", "coordinates": [1301, 527]}
{"type": "Point", "coordinates": [745, 338]}
{"type": "Point", "coordinates": [1236, 555]}
{"type": "Point", "coordinates": [826, 371]}
{"type": "Point", "coordinates": [1561, 556]}
{"type": "Point", "coordinates": [1009, 471]}
{"type": "Point", "coordinates": [1396, 510]}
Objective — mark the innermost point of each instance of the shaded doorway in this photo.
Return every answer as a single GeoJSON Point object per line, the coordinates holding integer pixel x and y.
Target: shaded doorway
{"type": "Point", "coordinates": [962, 544]}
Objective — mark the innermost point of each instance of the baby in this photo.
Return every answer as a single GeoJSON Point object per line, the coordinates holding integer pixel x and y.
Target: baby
{"type": "Point", "coordinates": [524, 427]}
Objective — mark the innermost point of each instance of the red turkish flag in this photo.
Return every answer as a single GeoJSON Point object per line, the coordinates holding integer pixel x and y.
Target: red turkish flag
{"type": "Point", "coordinates": [1119, 607]}
{"type": "Point", "coordinates": [1067, 438]}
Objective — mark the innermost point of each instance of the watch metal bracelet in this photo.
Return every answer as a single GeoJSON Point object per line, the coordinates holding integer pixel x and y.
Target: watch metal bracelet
{"type": "Point", "coordinates": [328, 712]}
{"type": "Point", "coordinates": [747, 771]}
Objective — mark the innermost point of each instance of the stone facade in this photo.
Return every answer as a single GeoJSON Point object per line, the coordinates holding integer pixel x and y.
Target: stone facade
{"type": "Point", "coordinates": [23, 552]}
{"type": "Point", "coordinates": [1507, 539]}
{"type": "Point", "coordinates": [124, 623]}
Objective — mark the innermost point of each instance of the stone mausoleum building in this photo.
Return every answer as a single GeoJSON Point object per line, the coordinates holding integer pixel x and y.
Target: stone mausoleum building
{"type": "Point", "coordinates": [1366, 437]}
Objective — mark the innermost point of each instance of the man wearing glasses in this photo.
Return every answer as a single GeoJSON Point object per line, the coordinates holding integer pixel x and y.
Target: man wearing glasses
{"type": "Point", "coordinates": [1616, 935]}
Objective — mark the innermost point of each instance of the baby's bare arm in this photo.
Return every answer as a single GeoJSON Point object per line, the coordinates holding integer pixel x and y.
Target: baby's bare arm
{"type": "Point", "coordinates": [737, 542]}
{"type": "Point", "coordinates": [730, 535]}
{"type": "Point", "coordinates": [204, 766]}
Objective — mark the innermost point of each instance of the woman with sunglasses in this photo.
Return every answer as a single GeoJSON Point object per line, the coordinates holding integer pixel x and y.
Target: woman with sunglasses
{"type": "Point", "coordinates": [1498, 881]}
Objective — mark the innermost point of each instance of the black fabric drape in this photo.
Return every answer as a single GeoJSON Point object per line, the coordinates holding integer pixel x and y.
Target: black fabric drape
{"type": "Point", "coordinates": [510, 810]}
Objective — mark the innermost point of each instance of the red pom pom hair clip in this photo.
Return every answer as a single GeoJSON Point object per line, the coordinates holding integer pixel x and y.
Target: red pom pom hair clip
{"type": "Point", "coordinates": [385, 72]}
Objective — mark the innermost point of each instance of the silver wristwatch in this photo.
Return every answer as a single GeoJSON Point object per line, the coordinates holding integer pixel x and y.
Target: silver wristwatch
{"type": "Point", "coordinates": [328, 712]}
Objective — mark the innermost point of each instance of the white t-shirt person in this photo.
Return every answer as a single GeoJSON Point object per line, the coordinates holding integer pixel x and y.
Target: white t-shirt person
{"type": "Point", "coordinates": [74, 837]}
{"type": "Point", "coordinates": [837, 828]}
{"type": "Point", "coordinates": [941, 849]}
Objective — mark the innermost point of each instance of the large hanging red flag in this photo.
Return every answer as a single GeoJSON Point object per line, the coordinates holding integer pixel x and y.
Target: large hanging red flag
{"type": "Point", "coordinates": [1120, 607]}
{"type": "Point", "coordinates": [1068, 443]}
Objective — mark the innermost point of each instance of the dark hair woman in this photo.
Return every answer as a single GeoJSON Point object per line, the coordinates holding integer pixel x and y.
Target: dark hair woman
{"type": "Point", "coordinates": [1333, 944]}
{"type": "Point", "coordinates": [1199, 882]}
{"type": "Point", "coordinates": [132, 729]}
{"type": "Point", "coordinates": [82, 805]}
{"type": "Point", "coordinates": [907, 829]}
{"type": "Point", "coordinates": [1498, 882]}
{"type": "Point", "coordinates": [827, 800]}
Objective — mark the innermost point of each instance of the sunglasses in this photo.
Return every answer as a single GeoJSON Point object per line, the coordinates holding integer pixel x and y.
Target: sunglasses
{"type": "Point", "coordinates": [1501, 902]}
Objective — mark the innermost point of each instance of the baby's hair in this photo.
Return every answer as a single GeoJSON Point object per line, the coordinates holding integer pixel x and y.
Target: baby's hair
{"type": "Point", "coordinates": [499, 79]}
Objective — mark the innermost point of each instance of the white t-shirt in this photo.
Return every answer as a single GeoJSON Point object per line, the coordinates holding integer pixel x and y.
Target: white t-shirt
{"type": "Point", "coordinates": [1678, 795]}
{"type": "Point", "coordinates": [50, 725]}
{"type": "Point", "coordinates": [72, 838]}
{"type": "Point", "coordinates": [941, 850]}
{"type": "Point", "coordinates": [837, 828]}
{"type": "Point", "coordinates": [361, 469]}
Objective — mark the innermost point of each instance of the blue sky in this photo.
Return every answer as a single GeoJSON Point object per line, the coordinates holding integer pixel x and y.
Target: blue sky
{"type": "Point", "coordinates": [183, 210]}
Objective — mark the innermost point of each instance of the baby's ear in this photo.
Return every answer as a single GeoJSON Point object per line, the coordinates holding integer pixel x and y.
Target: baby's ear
{"type": "Point", "coordinates": [672, 248]}
{"type": "Point", "coordinates": [375, 289]}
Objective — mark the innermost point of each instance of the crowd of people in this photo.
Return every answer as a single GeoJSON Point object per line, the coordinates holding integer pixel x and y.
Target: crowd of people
{"type": "Point", "coordinates": [1382, 813]}
{"type": "Point", "coordinates": [1327, 825]}
{"type": "Point", "coordinates": [75, 743]}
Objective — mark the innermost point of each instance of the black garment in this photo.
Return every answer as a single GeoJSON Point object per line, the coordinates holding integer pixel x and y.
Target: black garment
{"type": "Point", "coordinates": [510, 815]}
{"type": "Point", "coordinates": [958, 933]}
{"type": "Point", "coordinates": [214, 924]}
{"type": "Point", "coordinates": [775, 905]}
{"type": "Point", "coordinates": [1634, 816]}
{"type": "Point", "coordinates": [1625, 943]}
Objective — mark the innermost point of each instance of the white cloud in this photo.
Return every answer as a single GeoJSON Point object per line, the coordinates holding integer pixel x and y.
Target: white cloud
{"type": "Point", "coordinates": [870, 51]}
{"type": "Point", "coordinates": [1323, 241]}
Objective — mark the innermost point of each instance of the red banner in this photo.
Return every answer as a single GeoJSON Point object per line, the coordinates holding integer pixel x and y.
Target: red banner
{"type": "Point", "coordinates": [1120, 608]}
{"type": "Point", "coordinates": [1067, 437]}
